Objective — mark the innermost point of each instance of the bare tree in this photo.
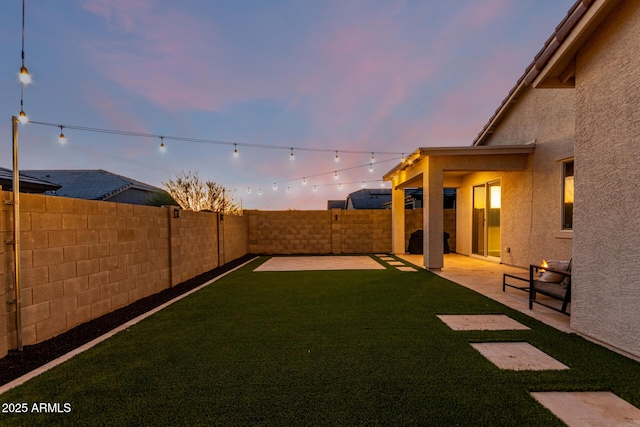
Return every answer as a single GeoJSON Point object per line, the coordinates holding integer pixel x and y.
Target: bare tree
{"type": "Point", "coordinates": [193, 194]}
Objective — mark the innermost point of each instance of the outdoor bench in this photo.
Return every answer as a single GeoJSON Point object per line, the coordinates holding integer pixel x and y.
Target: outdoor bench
{"type": "Point", "coordinates": [558, 288]}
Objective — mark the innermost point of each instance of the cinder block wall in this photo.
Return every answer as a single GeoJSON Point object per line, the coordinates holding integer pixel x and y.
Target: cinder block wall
{"type": "Point", "coordinates": [81, 259]}
{"type": "Point", "coordinates": [194, 244]}
{"type": "Point", "coordinates": [324, 232]}
{"type": "Point", "coordinates": [366, 231]}
{"type": "Point", "coordinates": [235, 238]}
{"type": "Point", "coordinates": [6, 278]}
{"type": "Point", "coordinates": [289, 232]}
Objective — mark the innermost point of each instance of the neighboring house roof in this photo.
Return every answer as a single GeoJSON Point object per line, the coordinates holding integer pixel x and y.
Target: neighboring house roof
{"type": "Point", "coordinates": [367, 198]}
{"type": "Point", "coordinates": [28, 184]}
{"type": "Point", "coordinates": [335, 204]}
{"type": "Point", "coordinates": [91, 184]}
{"type": "Point", "coordinates": [565, 77]}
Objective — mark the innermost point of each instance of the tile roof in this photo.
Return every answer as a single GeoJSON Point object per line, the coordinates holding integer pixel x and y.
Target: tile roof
{"type": "Point", "coordinates": [91, 184]}
{"type": "Point", "coordinates": [369, 198]}
{"type": "Point", "coordinates": [28, 184]}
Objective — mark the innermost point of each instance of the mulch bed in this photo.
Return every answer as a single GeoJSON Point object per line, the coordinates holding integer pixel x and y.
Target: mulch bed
{"type": "Point", "coordinates": [17, 363]}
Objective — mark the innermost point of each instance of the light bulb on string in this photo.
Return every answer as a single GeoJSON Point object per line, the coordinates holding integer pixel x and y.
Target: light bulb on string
{"type": "Point", "coordinates": [235, 151]}
{"type": "Point", "coordinates": [304, 181]}
{"type": "Point", "coordinates": [370, 167]}
{"type": "Point", "coordinates": [363, 185]}
{"type": "Point", "coordinates": [24, 76]}
{"type": "Point", "coordinates": [62, 139]}
{"type": "Point", "coordinates": [335, 175]}
{"type": "Point", "coordinates": [373, 158]}
{"type": "Point", "coordinates": [248, 190]}
{"type": "Point", "coordinates": [381, 183]}
{"type": "Point", "coordinates": [337, 158]}
{"type": "Point", "coordinates": [259, 191]}
{"type": "Point", "coordinates": [22, 117]}
{"type": "Point", "coordinates": [288, 189]}
{"type": "Point", "coordinates": [275, 186]}
{"type": "Point", "coordinates": [315, 187]}
{"type": "Point", "coordinates": [292, 156]}
{"type": "Point", "coordinates": [340, 186]}
{"type": "Point", "coordinates": [163, 149]}
{"type": "Point", "coordinates": [403, 160]}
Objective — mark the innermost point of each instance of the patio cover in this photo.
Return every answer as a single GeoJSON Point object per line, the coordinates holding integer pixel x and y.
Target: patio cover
{"type": "Point", "coordinates": [434, 168]}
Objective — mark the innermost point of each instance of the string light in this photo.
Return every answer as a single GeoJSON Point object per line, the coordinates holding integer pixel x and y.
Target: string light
{"type": "Point", "coordinates": [292, 156]}
{"type": "Point", "coordinates": [315, 187]}
{"type": "Point", "coordinates": [62, 139]}
{"type": "Point", "coordinates": [24, 76]}
{"type": "Point", "coordinates": [203, 140]}
{"type": "Point", "coordinates": [288, 190]}
{"type": "Point", "coordinates": [22, 118]}
{"type": "Point", "coordinates": [248, 189]}
{"type": "Point", "coordinates": [340, 186]}
{"type": "Point", "coordinates": [235, 151]}
{"type": "Point", "coordinates": [373, 158]}
{"type": "Point", "coordinates": [363, 184]}
{"type": "Point", "coordinates": [259, 191]}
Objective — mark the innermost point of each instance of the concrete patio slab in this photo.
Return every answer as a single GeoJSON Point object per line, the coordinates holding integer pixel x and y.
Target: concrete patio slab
{"type": "Point", "coordinates": [304, 263]}
{"type": "Point", "coordinates": [592, 408]}
{"type": "Point", "coordinates": [518, 356]}
{"type": "Point", "coordinates": [408, 269]}
{"type": "Point", "coordinates": [396, 263]}
{"type": "Point", "coordinates": [481, 322]}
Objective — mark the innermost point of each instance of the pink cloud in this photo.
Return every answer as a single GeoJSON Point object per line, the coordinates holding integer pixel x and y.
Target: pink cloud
{"type": "Point", "coordinates": [160, 58]}
{"type": "Point", "coordinates": [349, 78]}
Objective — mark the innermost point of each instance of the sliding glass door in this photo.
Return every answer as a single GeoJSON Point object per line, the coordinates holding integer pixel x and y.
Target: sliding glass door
{"type": "Point", "coordinates": [486, 220]}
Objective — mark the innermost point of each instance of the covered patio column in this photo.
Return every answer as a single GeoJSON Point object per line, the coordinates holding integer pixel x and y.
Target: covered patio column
{"type": "Point", "coordinates": [397, 218]}
{"type": "Point", "coordinates": [433, 215]}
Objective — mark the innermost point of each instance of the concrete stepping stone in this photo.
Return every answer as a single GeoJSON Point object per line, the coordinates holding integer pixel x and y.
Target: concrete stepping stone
{"type": "Point", "coordinates": [406, 269]}
{"type": "Point", "coordinates": [396, 263]}
{"type": "Point", "coordinates": [589, 408]}
{"type": "Point", "coordinates": [518, 356]}
{"type": "Point", "coordinates": [481, 322]}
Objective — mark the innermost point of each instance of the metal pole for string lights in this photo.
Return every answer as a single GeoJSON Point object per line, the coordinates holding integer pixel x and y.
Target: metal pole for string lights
{"type": "Point", "coordinates": [16, 232]}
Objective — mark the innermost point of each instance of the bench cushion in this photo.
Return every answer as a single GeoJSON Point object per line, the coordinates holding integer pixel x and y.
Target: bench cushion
{"type": "Point", "coordinates": [552, 277]}
{"type": "Point", "coordinates": [555, 290]}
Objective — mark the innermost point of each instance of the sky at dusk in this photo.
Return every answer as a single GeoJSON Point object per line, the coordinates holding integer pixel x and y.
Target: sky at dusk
{"type": "Point", "coordinates": [318, 76]}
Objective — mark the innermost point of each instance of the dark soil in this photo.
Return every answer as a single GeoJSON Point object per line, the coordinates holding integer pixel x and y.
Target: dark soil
{"type": "Point", "coordinates": [17, 363]}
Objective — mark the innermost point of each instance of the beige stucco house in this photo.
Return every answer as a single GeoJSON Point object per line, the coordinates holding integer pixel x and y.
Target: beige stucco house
{"type": "Point", "coordinates": [574, 113]}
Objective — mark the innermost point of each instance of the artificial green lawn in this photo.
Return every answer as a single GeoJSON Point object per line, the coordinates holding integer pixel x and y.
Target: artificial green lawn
{"type": "Point", "coordinates": [318, 348]}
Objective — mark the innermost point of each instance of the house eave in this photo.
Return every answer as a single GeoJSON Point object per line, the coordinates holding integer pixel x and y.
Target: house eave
{"type": "Point", "coordinates": [555, 65]}
{"type": "Point", "coordinates": [481, 150]}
